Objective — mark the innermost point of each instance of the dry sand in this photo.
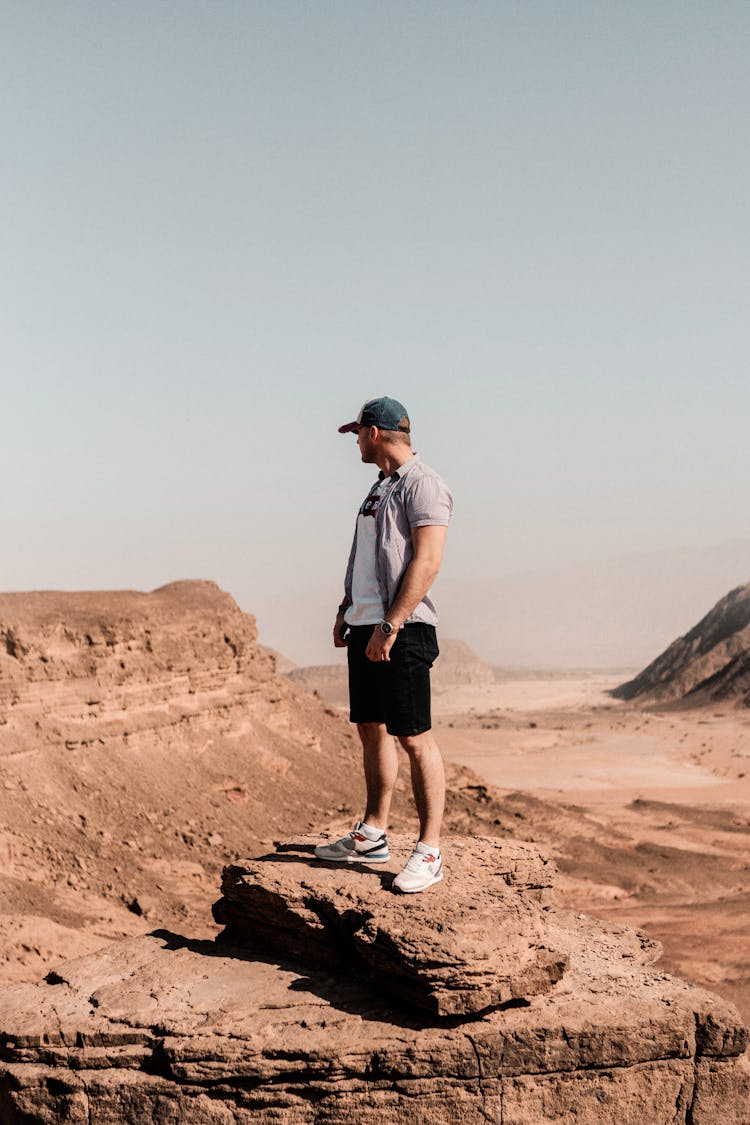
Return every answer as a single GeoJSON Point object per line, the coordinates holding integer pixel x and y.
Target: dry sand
{"type": "Point", "coordinates": [654, 824]}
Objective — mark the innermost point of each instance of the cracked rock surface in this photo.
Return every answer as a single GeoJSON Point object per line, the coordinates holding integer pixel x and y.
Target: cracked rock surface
{"type": "Point", "coordinates": [165, 1029]}
{"type": "Point", "coordinates": [480, 938]}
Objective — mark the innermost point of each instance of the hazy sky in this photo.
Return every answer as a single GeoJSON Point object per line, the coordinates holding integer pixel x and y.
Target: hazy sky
{"type": "Point", "coordinates": [224, 225]}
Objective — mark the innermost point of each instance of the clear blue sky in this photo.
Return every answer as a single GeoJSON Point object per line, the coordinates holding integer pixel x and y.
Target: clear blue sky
{"type": "Point", "coordinates": [224, 225]}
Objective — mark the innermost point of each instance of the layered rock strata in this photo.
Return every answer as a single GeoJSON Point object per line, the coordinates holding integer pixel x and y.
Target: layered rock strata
{"type": "Point", "coordinates": [165, 1029]}
{"type": "Point", "coordinates": [488, 943]}
{"type": "Point", "coordinates": [145, 739]}
{"type": "Point", "coordinates": [112, 659]}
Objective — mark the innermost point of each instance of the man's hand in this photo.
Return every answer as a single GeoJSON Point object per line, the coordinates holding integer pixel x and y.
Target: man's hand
{"type": "Point", "coordinates": [339, 631]}
{"type": "Point", "coordinates": [379, 646]}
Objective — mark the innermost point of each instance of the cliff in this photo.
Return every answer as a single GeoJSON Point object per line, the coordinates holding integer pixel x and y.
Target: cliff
{"type": "Point", "coordinates": [147, 742]}
{"type": "Point", "coordinates": [329, 1000]}
{"type": "Point", "coordinates": [145, 739]}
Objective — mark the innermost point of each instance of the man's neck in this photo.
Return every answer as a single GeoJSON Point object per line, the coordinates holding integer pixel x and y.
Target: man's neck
{"type": "Point", "coordinates": [392, 457]}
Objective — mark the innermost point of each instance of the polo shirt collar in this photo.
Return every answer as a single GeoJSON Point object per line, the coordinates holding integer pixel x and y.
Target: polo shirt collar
{"type": "Point", "coordinates": [404, 469]}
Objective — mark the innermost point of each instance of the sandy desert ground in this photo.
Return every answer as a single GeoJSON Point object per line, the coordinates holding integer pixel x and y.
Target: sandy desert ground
{"type": "Point", "coordinates": [646, 811]}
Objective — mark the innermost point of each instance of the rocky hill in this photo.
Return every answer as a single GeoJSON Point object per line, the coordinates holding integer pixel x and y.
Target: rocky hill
{"type": "Point", "coordinates": [457, 666]}
{"type": "Point", "coordinates": [328, 999]}
{"type": "Point", "coordinates": [710, 663]}
{"type": "Point", "coordinates": [145, 739]}
{"type": "Point", "coordinates": [147, 742]}
{"type": "Point", "coordinates": [329, 681]}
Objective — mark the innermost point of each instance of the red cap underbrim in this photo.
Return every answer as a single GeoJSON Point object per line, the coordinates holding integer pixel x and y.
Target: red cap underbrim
{"type": "Point", "coordinates": [349, 428]}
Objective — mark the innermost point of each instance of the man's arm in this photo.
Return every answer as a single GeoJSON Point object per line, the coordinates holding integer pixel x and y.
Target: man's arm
{"type": "Point", "coordinates": [340, 626]}
{"type": "Point", "coordinates": [428, 543]}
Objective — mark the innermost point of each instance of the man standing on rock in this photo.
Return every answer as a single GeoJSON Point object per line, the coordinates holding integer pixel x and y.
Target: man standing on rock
{"type": "Point", "coordinates": [387, 623]}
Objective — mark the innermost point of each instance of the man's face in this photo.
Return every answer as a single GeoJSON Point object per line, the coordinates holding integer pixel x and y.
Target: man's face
{"type": "Point", "coordinates": [366, 445]}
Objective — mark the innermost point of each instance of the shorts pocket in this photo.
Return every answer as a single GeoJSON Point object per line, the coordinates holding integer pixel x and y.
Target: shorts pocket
{"type": "Point", "coordinates": [430, 650]}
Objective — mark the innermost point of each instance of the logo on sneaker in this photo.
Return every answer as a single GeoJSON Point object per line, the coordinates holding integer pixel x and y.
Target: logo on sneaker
{"type": "Point", "coordinates": [430, 858]}
{"type": "Point", "coordinates": [358, 836]}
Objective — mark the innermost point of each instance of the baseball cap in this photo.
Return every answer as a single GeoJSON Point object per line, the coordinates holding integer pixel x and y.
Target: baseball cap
{"type": "Point", "coordinates": [385, 413]}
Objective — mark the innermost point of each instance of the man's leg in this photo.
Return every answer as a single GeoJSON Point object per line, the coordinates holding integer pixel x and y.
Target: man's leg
{"type": "Point", "coordinates": [380, 759]}
{"type": "Point", "coordinates": [366, 843]}
{"type": "Point", "coordinates": [428, 784]}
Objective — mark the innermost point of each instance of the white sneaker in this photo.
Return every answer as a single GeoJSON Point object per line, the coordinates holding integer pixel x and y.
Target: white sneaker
{"type": "Point", "coordinates": [355, 847]}
{"type": "Point", "coordinates": [423, 869]}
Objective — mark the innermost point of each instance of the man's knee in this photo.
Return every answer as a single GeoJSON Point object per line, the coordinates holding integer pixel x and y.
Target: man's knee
{"type": "Point", "coordinates": [371, 734]}
{"type": "Point", "coordinates": [417, 744]}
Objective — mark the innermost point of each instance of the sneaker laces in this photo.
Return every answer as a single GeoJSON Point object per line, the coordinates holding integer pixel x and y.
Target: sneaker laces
{"type": "Point", "coordinates": [416, 859]}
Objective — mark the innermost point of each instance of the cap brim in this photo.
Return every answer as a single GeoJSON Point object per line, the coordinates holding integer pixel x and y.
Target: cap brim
{"type": "Point", "coordinates": [349, 428]}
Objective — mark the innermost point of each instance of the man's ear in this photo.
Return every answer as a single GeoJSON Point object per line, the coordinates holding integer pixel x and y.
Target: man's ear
{"type": "Point", "coordinates": [374, 433]}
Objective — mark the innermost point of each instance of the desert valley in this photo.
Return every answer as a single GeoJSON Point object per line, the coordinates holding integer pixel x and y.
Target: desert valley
{"type": "Point", "coordinates": [598, 828]}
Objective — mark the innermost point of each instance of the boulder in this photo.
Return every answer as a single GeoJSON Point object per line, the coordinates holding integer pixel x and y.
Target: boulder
{"type": "Point", "coordinates": [478, 939]}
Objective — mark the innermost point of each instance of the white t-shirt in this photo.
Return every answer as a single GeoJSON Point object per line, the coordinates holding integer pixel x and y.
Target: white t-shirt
{"type": "Point", "coordinates": [367, 605]}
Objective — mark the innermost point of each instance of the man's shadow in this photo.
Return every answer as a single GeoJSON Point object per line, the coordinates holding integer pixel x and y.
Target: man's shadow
{"type": "Point", "coordinates": [349, 985]}
{"type": "Point", "coordinates": [345, 988]}
{"type": "Point", "coordinates": [305, 853]}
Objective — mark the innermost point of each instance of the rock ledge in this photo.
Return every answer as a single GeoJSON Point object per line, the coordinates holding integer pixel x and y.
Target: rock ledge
{"type": "Point", "coordinates": [285, 1026]}
{"type": "Point", "coordinates": [477, 940]}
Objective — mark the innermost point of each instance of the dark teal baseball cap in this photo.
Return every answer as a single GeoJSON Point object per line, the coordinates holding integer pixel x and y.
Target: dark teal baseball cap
{"type": "Point", "coordinates": [385, 413]}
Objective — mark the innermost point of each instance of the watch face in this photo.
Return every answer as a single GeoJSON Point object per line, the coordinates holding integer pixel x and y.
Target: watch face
{"type": "Point", "coordinates": [386, 627]}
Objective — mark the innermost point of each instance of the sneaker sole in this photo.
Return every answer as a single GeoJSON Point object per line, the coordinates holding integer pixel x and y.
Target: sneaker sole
{"type": "Point", "coordinates": [416, 890]}
{"type": "Point", "coordinates": [353, 858]}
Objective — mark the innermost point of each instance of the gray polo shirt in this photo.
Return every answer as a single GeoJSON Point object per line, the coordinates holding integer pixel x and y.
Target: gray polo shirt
{"type": "Point", "coordinates": [417, 497]}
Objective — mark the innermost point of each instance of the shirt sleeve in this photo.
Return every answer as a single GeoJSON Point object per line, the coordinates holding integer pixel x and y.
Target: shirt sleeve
{"type": "Point", "coordinates": [428, 502]}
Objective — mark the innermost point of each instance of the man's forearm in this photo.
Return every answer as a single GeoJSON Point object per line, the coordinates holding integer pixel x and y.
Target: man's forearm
{"type": "Point", "coordinates": [417, 580]}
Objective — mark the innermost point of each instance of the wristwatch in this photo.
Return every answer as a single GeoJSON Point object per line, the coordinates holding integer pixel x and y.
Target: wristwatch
{"type": "Point", "coordinates": [387, 628]}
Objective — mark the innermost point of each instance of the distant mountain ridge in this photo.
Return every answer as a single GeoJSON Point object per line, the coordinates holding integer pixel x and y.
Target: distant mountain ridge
{"type": "Point", "coordinates": [711, 662]}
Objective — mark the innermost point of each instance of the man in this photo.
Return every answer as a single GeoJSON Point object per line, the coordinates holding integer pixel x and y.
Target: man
{"type": "Point", "coordinates": [387, 623]}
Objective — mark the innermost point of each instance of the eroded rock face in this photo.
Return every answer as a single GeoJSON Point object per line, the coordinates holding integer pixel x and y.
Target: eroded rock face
{"type": "Point", "coordinates": [145, 740]}
{"type": "Point", "coordinates": [710, 663]}
{"type": "Point", "coordinates": [164, 1029]}
{"type": "Point", "coordinates": [78, 657]}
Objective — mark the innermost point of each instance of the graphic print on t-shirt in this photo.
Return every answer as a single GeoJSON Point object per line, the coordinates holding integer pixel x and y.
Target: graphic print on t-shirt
{"type": "Point", "coordinates": [372, 500]}
{"type": "Point", "coordinates": [367, 604]}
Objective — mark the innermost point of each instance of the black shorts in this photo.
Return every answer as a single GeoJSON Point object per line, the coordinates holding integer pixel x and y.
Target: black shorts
{"type": "Point", "coordinates": [396, 691]}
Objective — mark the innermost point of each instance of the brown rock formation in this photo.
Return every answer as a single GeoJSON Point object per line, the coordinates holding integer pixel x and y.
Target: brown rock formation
{"type": "Point", "coordinates": [71, 658]}
{"type": "Point", "coordinates": [145, 739]}
{"type": "Point", "coordinates": [486, 944]}
{"type": "Point", "coordinates": [710, 663]}
{"type": "Point", "coordinates": [164, 1029]}
{"type": "Point", "coordinates": [329, 681]}
{"type": "Point", "coordinates": [459, 666]}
